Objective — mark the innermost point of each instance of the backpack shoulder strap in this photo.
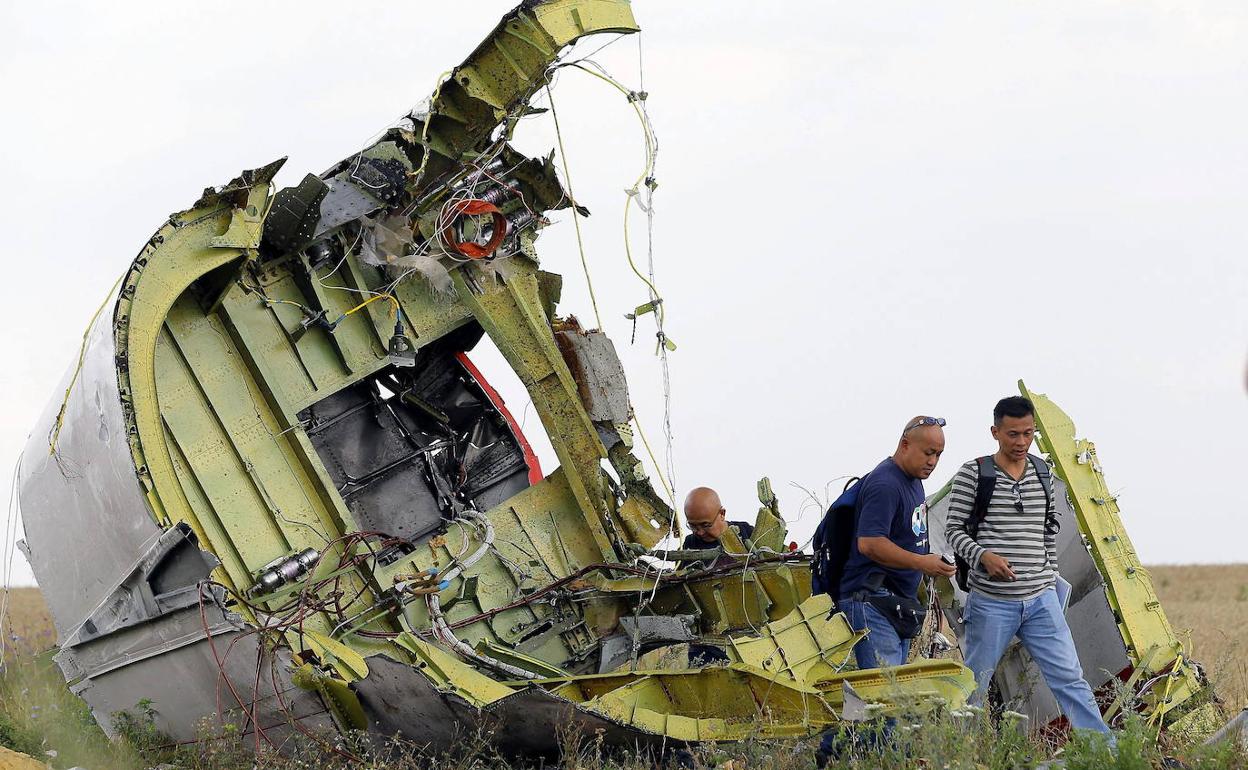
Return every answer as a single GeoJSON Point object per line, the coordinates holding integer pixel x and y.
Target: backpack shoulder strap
{"type": "Point", "coordinates": [1045, 474]}
{"type": "Point", "coordinates": [985, 484]}
{"type": "Point", "coordinates": [1046, 480]}
{"type": "Point", "coordinates": [853, 490]}
{"type": "Point", "coordinates": [832, 540]}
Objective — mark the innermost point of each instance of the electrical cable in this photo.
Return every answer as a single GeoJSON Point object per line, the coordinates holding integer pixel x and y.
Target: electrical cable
{"type": "Point", "coordinates": [290, 616]}
{"type": "Point", "coordinates": [212, 647]}
{"type": "Point", "coordinates": [645, 186]}
{"type": "Point", "coordinates": [671, 494]}
{"type": "Point", "coordinates": [73, 380]}
{"type": "Point", "coordinates": [666, 577]}
{"type": "Point", "coordinates": [419, 175]}
{"type": "Point", "coordinates": [474, 207]}
{"type": "Point", "coordinates": [576, 220]}
{"type": "Point", "coordinates": [646, 177]}
{"type": "Point", "coordinates": [367, 302]}
{"type": "Point", "coordinates": [440, 627]}
{"type": "Point", "coordinates": [296, 721]}
{"type": "Point", "coordinates": [9, 546]}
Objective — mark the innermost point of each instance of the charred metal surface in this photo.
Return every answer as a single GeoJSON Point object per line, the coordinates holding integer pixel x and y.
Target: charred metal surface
{"type": "Point", "coordinates": [408, 448]}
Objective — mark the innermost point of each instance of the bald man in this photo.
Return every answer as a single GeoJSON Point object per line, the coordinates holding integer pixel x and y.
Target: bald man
{"type": "Point", "coordinates": [707, 520]}
{"type": "Point", "coordinates": [889, 553]}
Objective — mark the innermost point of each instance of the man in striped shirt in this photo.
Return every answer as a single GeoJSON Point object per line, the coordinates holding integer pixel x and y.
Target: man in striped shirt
{"type": "Point", "coordinates": [1013, 567]}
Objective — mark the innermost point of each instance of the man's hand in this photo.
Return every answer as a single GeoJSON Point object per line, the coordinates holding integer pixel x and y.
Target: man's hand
{"type": "Point", "coordinates": [881, 550]}
{"type": "Point", "coordinates": [998, 567]}
{"type": "Point", "coordinates": [934, 566]}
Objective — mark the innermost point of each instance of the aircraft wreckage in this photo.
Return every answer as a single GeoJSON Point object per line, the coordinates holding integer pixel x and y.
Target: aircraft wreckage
{"type": "Point", "coordinates": [277, 493]}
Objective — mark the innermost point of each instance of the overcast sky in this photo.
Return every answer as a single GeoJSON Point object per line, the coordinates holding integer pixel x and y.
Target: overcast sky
{"type": "Point", "coordinates": [866, 211]}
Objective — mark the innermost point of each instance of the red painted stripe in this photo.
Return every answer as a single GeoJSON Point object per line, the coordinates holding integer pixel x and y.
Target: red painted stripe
{"type": "Point", "coordinates": [530, 459]}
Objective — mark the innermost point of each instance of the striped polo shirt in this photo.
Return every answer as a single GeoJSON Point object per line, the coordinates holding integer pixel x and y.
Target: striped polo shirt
{"type": "Point", "coordinates": [1020, 537]}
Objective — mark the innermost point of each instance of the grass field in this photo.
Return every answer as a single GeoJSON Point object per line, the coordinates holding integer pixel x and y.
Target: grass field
{"type": "Point", "coordinates": [1208, 604]}
{"type": "Point", "coordinates": [1211, 604]}
{"type": "Point", "coordinates": [27, 624]}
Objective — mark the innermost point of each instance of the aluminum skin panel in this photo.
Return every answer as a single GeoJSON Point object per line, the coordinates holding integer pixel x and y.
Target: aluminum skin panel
{"type": "Point", "coordinates": [83, 510]}
{"type": "Point", "coordinates": [189, 711]}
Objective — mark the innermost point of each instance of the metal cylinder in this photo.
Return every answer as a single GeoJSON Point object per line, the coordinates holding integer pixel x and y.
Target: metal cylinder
{"type": "Point", "coordinates": [286, 570]}
{"type": "Point", "coordinates": [497, 194]}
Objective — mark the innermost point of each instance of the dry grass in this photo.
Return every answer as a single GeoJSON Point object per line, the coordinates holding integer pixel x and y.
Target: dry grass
{"type": "Point", "coordinates": [27, 626]}
{"type": "Point", "coordinates": [1210, 602]}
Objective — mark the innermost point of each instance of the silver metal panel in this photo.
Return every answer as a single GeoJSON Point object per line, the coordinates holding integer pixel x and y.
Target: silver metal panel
{"type": "Point", "coordinates": [1236, 729]}
{"type": "Point", "coordinates": [937, 513]}
{"type": "Point", "coordinates": [84, 513]}
{"type": "Point", "coordinates": [131, 645]}
{"type": "Point", "coordinates": [1098, 641]}
{"type": "Point", "coordinates": [1023, 689]}
{"type": "Point", "coordinates": [343, 203]}
{"type": "Point", "coordinates": [189, 709]}
{"type": "Point", "coordinates": [599, 375]}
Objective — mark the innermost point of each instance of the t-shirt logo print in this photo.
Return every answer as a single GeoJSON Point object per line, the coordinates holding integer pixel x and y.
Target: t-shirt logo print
{"type": "Point", "coordinates": [918, 519]}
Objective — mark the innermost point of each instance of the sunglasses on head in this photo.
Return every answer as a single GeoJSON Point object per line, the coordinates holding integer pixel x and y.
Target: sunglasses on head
{"type": "Point", "coordinates": [937, 421]}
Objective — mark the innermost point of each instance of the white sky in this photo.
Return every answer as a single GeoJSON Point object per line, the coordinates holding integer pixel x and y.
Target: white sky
{"type": "Point", "coordinates": [866, 211]}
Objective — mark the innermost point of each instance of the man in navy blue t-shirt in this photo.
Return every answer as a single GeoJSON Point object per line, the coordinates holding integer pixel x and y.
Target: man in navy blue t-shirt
{"type": "Point", "coordinates": [889, 554]}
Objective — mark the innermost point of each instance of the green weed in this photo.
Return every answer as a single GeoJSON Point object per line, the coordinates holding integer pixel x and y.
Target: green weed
{"type": "Point", "coordinates": [38, 714]}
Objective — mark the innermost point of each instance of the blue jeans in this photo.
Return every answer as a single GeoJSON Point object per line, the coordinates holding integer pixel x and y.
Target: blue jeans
{"type": "Point", "coordinates": [881, 647]}
{"type": "Point", "coordinates": [1040, 625]}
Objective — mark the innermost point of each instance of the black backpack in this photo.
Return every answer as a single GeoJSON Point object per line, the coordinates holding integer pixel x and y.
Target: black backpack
{"type": "Point", "coordinates": [985, 485]}
{"type": "Point", "coordinates": [832, 539]}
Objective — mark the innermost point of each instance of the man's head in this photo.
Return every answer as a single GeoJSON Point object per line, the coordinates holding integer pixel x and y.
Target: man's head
{"type": "Point", "coordinates": [921, 444]}
{"type": "Point", "coordinates": [705, 514]}
{"type": "Point", "coordinates": [1014, 426]}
